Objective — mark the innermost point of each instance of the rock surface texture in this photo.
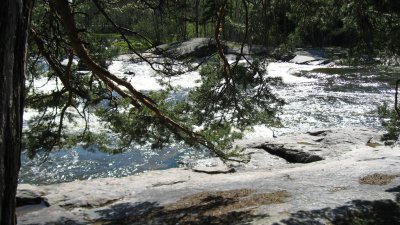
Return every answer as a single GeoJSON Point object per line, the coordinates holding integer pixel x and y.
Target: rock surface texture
{"type": "Point", "coordinates": [206, 47]}
{"type": "Point", "coordinates": [310, 57]}
{"type": "Point", "coordinates": [332, 176]}
{"type": "Point", "coordinates": [203, 47]}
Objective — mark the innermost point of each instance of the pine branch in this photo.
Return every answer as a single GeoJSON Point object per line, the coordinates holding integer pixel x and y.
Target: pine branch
{"type": "Point", "coordinates": [63, 9]}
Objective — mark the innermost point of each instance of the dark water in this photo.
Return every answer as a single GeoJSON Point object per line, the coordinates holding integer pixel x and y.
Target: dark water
{"type": "Point", "coordinates": [83, 164]}
{"type": "Point", "coordinates": [330, 97]}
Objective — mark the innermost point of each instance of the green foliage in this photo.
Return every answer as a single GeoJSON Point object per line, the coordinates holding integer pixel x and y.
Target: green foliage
{"type": "Point", "coordinates": [210, 10]}
{"type": "Point", "coordinates": [222, 107]}
{"type": "Point", "coordinates": [390, 121]}
{"type": "Point", "coordinates": [40, 138]}
{"type": "Point", "coordinates": [54, 109]}
{"type": "Point", "coordinates": [368, 27]}
{"type": "Point", "coordinates": [220, 111]}
{"type": "Point", "coordinates": [227, 108]}
{"type": "Point", "coordinates": [102, 48]}
{"type": "Point", "coordinates": [141, 126]}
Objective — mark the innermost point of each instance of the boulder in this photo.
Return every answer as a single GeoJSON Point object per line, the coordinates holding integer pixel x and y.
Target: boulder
{"type": "Point", "coordinates": [320, 144]}
{"type": "Point", "coordinates": [203, 47]}
{"type": "Point", "coordinates": [310, 57]}
{"type": "Point", "coordinates": [211, 166]}
{"type": "Point", "coordinates": [29, 197]}
{"type": "Point", "coordinates": [195, 47]}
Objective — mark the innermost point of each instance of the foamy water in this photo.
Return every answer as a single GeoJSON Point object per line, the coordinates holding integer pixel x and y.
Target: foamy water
{"type": "Point", "coordinates": [313, 100]}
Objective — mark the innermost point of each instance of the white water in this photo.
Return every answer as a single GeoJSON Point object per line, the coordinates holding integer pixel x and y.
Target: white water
{"type": "Point", "coordinates": [313, 100]}
{"type": "Point", "coordinates": [144, 78]}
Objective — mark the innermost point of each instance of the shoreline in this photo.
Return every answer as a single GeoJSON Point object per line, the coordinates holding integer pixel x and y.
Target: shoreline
{"type": "Point", "coordinates": [356, 174]}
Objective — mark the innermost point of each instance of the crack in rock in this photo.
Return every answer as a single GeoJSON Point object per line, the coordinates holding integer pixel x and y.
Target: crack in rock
{"type": "Point", "coordinates": [290, 155]}
{"type": "Point", "coordinates": [169, 183]}
{"type": "Point", "coordinates": [214, 170]}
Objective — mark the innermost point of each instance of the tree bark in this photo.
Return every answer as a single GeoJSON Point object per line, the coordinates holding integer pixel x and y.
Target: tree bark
{"type": "Point", "coordinates": [197, 16]}
{"type": "Point", "coordinates": [14, 24]}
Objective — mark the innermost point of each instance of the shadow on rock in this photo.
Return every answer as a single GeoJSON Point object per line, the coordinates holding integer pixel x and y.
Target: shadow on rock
{"type": "Point", "coordinates": [397, 191]}
{"type": "Point", "coordinates": [225, 207]}
{"type": "Point", "coordinates": [66, 222]}
{"type": "Point", "coordinates": [380, 212]}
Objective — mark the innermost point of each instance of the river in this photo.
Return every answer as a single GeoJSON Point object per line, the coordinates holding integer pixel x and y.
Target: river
{"type": "Point", "coordinates": [316, 97]}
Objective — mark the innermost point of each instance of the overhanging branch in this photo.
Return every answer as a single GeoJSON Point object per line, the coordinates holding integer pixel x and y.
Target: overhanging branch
{"type": "Point", "coordinates": [63, 9]}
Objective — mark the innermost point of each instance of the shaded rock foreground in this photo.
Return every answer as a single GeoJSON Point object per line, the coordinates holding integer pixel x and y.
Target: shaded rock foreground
{"type": "Point", "coordinates": [353, 178]}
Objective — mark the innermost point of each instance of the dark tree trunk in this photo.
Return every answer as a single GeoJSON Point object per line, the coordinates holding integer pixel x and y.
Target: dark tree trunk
{"type": "Point", "coordinates": [14, 24]}
{"type": "Point", "coordinates": [158, 30]}
{"type": "Point", "coordinates": [266, 6]}
{"type": "Point", "coordinates": [197, 15]}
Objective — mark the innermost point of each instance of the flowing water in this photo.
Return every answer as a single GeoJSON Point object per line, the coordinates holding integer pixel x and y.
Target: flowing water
{"type": "Point", "coordinates": [335, 97]}
{"type": "Point", "coordinates": [316, 97]}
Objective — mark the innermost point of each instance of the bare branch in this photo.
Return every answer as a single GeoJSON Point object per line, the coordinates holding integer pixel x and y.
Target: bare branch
{"type": "Point", "coordinates": [217, 35]}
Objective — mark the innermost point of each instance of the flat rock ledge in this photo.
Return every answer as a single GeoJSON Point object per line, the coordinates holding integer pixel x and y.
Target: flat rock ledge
{"type": "Point", "coordinates": [352, 178]}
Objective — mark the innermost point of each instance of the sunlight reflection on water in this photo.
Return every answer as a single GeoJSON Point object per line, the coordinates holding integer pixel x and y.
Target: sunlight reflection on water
{"type": "Point", "coordinates": [313, 100]}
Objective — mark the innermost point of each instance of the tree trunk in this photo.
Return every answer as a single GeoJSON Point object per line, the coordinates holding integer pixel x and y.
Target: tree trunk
{"type": "Point", "coordinates": [266, 6]}
{"type": "Point", "coordinates": [14, 24]}
{"type": "Point", "coordinates": [197, 15]}
{"type": "Point", "coordinates": [158, 30]}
